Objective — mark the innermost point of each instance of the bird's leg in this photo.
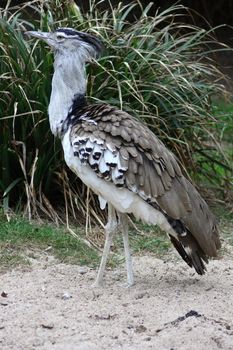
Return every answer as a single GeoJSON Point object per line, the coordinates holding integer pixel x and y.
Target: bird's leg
{"type": "Point", "coordinates": [128, 259]}
{"type": "Point", "coordinates": [110, 229]}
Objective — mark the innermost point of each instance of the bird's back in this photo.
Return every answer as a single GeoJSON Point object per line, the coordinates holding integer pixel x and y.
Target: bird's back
{"type": "Point", "coordinates": [127, 156]}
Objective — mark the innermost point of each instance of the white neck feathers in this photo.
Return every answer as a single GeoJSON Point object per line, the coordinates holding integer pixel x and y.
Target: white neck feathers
{"type": "Point", "coordinates": [68, 81]}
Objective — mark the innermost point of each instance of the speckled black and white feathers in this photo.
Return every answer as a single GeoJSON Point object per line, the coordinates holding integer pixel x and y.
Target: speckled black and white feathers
{"type": "Point", "coordinates": [104, 159]}
{"type": "Point", "coordinates": [116, 147]}
{"type": "Point", "coordinates": [120, 149]}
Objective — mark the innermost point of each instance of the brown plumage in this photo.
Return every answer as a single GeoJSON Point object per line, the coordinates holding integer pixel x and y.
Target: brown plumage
{"type": "Point", "coordinates": [123, 162]}
{"type": "Point", "coordinates": [153, 172]}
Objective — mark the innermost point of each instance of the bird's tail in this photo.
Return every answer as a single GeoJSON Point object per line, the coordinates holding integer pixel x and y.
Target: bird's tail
{"type": "Point", "coordinates": [190, 251]}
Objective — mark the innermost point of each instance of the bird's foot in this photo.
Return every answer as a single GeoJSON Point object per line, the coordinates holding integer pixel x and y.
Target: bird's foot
{"type": "Point", "coordinates": [127, 284]}
{"type": "Point", "coordinates": [97, 284]}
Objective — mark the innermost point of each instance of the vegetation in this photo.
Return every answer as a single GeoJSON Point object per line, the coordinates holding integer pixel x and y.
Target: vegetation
{"type": "Point", "coordinates": [21, 240]}
{"type": "Point", "coordinates": [150, 240]}
{"type": "Point", "coordinates": [152, 68]}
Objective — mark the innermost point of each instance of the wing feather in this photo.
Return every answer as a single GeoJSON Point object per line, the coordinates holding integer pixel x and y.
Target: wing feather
{"type": "Point", "coordinates": [124, 151]}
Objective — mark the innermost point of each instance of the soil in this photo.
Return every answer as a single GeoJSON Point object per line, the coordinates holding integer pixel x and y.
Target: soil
{"type": "Point", "coordinates": [54, 306]}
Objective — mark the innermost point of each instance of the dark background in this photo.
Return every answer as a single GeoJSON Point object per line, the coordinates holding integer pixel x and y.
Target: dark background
{"type": "Point", "coordinates": [205, 14]}
{"type": "Point", "coordinates": [216, 12]}
{"type": "Point", "coordinates": [212, 12]}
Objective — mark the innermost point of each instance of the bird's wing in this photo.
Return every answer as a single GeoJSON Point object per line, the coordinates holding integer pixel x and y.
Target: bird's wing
{"type": "Point", "coordinates": [121, 149]}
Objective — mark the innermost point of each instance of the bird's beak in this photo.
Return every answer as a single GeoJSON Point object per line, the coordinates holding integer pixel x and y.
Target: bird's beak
{"type": "Point", "coordinates": [39, 35]}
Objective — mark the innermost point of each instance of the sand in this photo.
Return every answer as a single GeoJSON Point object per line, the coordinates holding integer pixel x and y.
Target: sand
{"type": "Point", "coordinates": [54, 306]}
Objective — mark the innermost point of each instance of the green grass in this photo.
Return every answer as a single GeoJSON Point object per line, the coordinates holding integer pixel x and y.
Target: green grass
{"type": "Point", "coordinates": [214, 171]}
{"type": "Point", "coordinates": [152, 240]}
{"type": "Point", "coordinates": [152, 68]}
{"type": "Point", "coordinates": [11, 258]}
{"type": "Point", "coordinates": [149, 240]}
{"type": "Point", "coordinates": [223, 110]}
{"type": "Point", "coordinates": [158, 245]}
{"type": "Point", "coordinates": [225, 222]}
{"type": "Point", "coordinates": [229, 237]}
{"type": "Point", "coordinates": [18, 237]}
{"type": "Point", "coordinates": [20, 241]}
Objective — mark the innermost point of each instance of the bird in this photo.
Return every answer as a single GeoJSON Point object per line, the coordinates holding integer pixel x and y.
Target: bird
{"type": "Point", "coordinates": [125, 164]}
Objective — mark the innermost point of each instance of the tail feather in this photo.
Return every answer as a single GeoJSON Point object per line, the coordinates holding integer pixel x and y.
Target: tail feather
{"type": "Point", "coordinates": [190, 251]}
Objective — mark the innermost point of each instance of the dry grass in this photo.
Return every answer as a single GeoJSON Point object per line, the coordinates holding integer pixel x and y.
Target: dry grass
{"type": "Point", "coordinates": [152, 68]}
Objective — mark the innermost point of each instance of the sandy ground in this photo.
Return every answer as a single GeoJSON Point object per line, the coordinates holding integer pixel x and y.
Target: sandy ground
{"type": "Point", "coordinates": [53, 306]}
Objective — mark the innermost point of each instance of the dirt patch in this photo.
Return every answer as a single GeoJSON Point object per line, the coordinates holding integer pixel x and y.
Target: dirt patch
{"type": "Point", "coordinates": [53, 306]}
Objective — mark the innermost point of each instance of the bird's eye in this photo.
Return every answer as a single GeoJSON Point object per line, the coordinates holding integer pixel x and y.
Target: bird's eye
{"type": "Point", "coordinates": [60, 37]}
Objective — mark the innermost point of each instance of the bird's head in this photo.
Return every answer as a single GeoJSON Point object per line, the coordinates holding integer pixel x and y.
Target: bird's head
{"type": "Point", "coordinates": [68, 41]}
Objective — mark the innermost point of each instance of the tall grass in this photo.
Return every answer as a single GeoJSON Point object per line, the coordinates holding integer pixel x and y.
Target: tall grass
{"type": "Point", "coordinates": [156, 68]}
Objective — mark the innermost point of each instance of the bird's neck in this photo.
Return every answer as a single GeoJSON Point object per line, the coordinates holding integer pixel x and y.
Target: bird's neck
{"type": "Point", "coordinates": [68, 87]}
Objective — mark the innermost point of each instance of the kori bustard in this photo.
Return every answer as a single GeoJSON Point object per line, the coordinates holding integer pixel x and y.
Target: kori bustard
{"type": "Point", "coordinates": [122, 161]}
